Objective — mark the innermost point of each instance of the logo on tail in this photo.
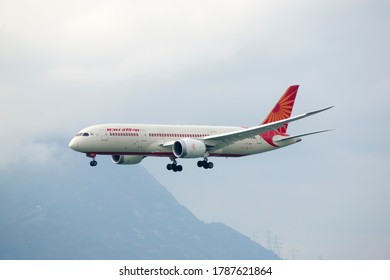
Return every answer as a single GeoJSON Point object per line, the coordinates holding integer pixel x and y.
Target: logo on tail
{"type": "Point", "coordinates": [283, 108]}
{"type": "Point", "coordinates": [281, 111]}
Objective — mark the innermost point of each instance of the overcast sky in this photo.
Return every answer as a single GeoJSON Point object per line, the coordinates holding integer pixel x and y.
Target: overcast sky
{"type": "Point", "coordinates": [65, 65]}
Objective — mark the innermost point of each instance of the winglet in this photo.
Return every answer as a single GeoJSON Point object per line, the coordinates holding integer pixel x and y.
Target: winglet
{"type": "Point", "coordinates": [283, 108]}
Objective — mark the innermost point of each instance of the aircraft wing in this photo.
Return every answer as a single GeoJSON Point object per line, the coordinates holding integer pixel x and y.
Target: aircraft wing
{"type": "Point", "coordinates": [219, 141]}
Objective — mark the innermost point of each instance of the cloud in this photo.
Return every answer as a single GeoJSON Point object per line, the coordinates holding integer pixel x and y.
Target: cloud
{"type": "Point", "coordinates": [31, 155]}
{"type": "Point", "coordinates": [112, 41]}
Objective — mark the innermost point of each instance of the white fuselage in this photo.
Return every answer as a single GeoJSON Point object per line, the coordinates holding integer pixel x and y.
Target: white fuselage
{"type": "Point", "coordinates": [148, 140]}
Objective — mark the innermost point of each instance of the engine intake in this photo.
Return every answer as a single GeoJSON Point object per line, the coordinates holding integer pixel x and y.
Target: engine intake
{"type": "Point", "coordinates": [189, 148]}
{"type": "Point", "coordinates": [126, 159]}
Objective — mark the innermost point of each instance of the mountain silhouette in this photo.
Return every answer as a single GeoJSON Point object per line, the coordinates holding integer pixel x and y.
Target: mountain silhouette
{"type": "Point", "coordinates": [106, 213]}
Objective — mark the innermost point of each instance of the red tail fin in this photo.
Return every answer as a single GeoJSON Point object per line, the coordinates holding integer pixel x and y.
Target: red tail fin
{"type": "Point", "coordinates": [283, 108]}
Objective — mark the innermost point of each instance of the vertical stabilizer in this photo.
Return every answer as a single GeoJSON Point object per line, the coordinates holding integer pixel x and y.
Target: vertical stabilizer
{"type": "Point", "coordinates": [283, 108]}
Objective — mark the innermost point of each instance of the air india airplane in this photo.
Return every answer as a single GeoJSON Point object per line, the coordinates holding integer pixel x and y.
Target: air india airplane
{"type": "Point", "coordinates": [131, 143]}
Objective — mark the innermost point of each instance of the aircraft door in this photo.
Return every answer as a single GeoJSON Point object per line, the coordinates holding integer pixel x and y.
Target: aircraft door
{"type": "Point", "coordinates": [143, 136]}
{"type": "Point", "coordinates": [142, 139]}
{"type": "Point", "coordinates": [103, 135]}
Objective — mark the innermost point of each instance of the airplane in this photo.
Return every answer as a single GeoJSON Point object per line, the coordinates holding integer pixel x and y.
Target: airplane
{"type": "Point", "coordinates": [131, 143]}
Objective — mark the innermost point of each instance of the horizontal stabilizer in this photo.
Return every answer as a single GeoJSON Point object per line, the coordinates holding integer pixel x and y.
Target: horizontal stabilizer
{"type": "Point", "coordinates": [300, 135]}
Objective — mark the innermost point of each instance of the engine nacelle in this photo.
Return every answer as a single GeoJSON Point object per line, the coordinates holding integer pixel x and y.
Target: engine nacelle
{"type": "Point", "coordinates": [189, 148]}
{"type": "Point", "coordinates": [126, 159]}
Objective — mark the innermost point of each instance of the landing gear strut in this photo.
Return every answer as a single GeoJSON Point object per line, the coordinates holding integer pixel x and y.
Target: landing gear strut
{"type": "Point", "coordinates": [205, 164]}
{"type": "Point", "coordinates": [174, 166]}
{"type": "Point", "coordinates": [93, 161]}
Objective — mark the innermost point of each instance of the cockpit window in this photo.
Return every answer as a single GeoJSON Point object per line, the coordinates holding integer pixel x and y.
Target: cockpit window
{"type": "Point", "coordinates": [79, 134]}
{"type": "Point", "coordinates": [82, 134]}
{"type": "Point", "coordinates": [85, 134]}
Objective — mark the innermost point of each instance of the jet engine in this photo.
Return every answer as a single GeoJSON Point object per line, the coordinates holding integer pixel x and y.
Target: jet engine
{"type": "Point", "coordinates": [126, 159]}
{"type": "Point", "coordinates": [189, 148]}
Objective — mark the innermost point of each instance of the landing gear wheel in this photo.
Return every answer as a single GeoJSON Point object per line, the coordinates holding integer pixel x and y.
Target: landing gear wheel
{"type": "Point", "coordinates": [174, 166]}
{"type": "Point", "coordinates": [93, 163]}
{"type": "Point", "coordinates": [205, 164]}
{"type": "Point", "coordinates": [177, 168]}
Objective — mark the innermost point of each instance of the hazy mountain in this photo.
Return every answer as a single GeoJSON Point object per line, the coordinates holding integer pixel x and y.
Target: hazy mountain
{"type": "Point", "coordinates": [106, 213]}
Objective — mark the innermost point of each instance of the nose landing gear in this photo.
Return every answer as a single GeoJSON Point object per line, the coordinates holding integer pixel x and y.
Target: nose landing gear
{"type": "Point", "coordinates": [93, 161]}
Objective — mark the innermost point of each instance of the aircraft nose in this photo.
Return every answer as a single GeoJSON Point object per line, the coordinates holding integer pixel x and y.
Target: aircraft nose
{"type": "Point", "coordinates": [73, 144]}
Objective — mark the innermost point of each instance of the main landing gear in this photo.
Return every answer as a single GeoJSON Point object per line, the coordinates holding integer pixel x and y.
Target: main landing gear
{"type": "Point", "coordinates": [93, 161]}
{"type": "Point", "coordinates": [205, 164]}
{"type": "Point", "coordinates": [177, 168]}
{"type": "Point", "coordinates": [174, 166]}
